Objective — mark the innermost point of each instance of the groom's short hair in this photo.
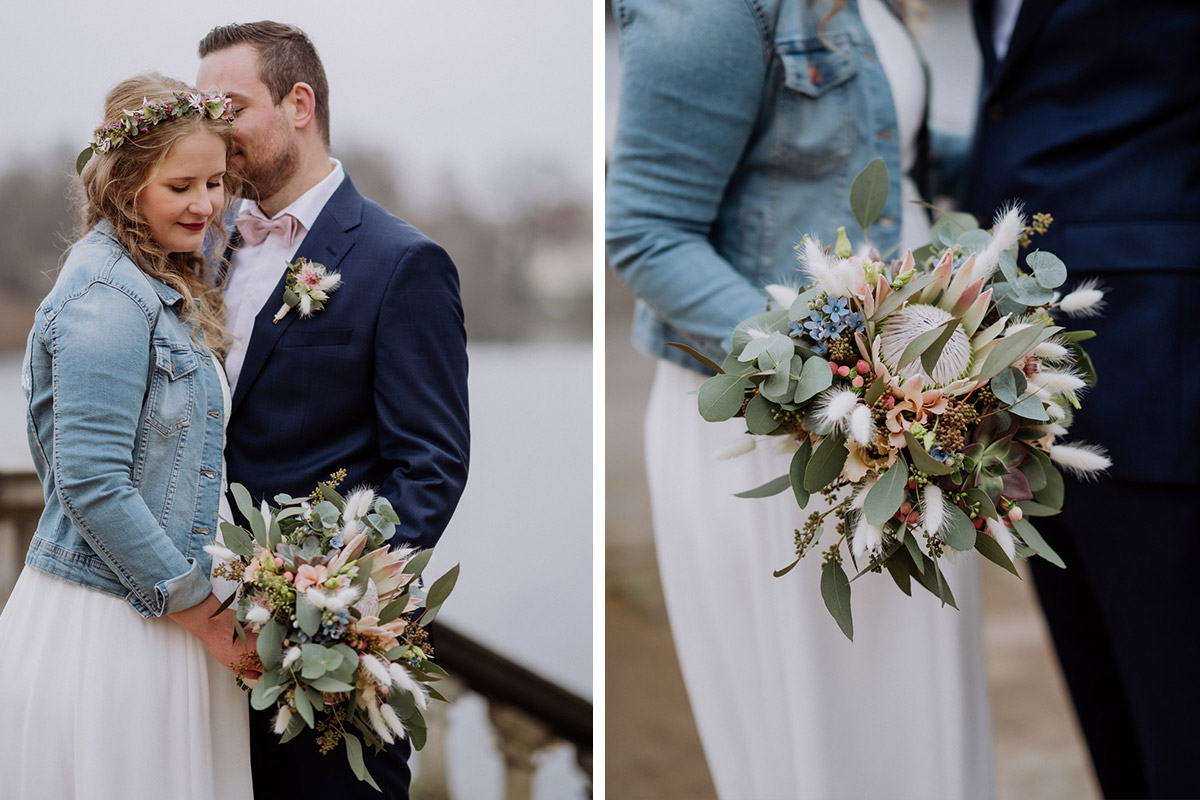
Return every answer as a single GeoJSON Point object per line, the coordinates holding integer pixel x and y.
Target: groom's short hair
{"type": "Point", "coordinates": [286, 57]}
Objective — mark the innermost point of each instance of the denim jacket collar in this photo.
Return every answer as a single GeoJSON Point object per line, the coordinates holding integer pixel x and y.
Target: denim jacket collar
{"type": "Point", "coordinates": [169, 297]}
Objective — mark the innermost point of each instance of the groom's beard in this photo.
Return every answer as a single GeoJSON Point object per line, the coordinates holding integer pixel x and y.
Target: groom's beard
{"type": "Point", "coordinates": [269, 171]}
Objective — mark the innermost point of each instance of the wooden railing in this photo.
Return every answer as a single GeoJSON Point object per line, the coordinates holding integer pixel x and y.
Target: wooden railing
{"type": "Point", "coordinates": [527, 712]}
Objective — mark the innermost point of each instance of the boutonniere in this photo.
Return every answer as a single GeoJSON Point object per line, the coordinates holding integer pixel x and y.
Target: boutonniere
{"type": "Point", "coordinates": [307, 286]}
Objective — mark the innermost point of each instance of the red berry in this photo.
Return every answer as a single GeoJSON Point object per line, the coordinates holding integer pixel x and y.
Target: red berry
{"type": "Point", "coordinates": [914, 518]}
{"type": "Point", "coordinates": [905, 507]}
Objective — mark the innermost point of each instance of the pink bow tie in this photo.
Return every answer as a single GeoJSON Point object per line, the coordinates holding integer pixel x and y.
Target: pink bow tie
{"type": "Point", "coordinates": [255, 230]}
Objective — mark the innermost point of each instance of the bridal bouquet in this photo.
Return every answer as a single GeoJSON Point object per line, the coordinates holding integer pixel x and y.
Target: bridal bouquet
{"type": "Point", "coordinates": [925, 398]}
{"type": "Point", "coordinates": [340, 617]}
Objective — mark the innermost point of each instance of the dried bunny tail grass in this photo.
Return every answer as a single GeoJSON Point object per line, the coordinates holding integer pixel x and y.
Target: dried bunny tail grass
{"type": "Point", "coordinates": [1086, 301]}
{"type": "Point", "coordinates": [1003, 536]}
{"type": "Point", "coordinates": [934, 509]}
{"type": "Point", "coordinates": [868, 538]}
{"type": "Point", "coordinates": [862, 425]}
{"type": "Point", "coordinates": [1053, 350]}
{"type": "Point", "coordinates": [1007, 229]}
{"type": "Point", "coordinates": [1081, 460]}
{"type": "Point", "coordinates": [823, 272]}
{"type": "Point", "coordinates": [782, 296]}
{"type": "Point", "coordinates": [1056, 382]}
{"type": "Point", "coordinates": [834, 407]}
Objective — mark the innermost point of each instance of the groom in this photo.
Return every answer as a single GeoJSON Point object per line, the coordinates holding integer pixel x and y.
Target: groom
{"type": "Point", "coordinates": [375, 383]}
{"type": "Point", "coordinates": [1090, 111]}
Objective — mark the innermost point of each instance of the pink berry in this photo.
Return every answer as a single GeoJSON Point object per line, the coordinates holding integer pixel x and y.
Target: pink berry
{"type": "Point", "coordinates": [905, 507]}
{"type": "Point", "coordinates": [288, 575]}
{"type": "Point", "coordinates": [833, 365]}
{"type": "Point", "coordinates": [843, 371]}
{"type": "Point", "coordinates": [862, 367]}
{"type": "Point", "coordinates": [287, 642]}
{"type": "Point", "coordinates": [914, 518]}
{"type": "Point", "coordinates": [278, 561]}
{"type": "Point", "coordinates": [910, 485]}
{"type": "Point", "coordinates": [1015, 513]}
{"type": "Point", "coordinates": [857, 382]}
{"type": "Point", "coordinates": [977, 522]}
{"type": "Point", "coordinates": [890, 401]}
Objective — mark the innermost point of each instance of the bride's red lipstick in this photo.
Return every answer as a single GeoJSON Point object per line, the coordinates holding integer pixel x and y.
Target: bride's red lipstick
{"type": "Point", "coordinates": [193, 226]}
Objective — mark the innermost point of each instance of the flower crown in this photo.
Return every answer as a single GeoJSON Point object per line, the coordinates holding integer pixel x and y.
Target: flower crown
{"type": "Point", "coordinates": [129, 124]}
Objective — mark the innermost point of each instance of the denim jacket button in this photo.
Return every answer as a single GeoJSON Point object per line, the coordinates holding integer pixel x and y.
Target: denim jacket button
{"type": "Point", "coordinates": [202, 531]}
{"type": "Point", "coordinates": [215, 414]}
{"type": "Point", "coordinates": [886, 133]}
{"type": "Point", "coordinates": [208, 473]}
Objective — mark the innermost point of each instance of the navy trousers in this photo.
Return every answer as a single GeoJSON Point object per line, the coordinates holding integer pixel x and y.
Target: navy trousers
{"type": "Point", "coordinates": [1124, 621]}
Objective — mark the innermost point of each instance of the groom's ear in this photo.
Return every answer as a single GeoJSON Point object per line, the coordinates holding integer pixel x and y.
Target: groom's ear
{"type": "Point", "coordinates": [301, 102]}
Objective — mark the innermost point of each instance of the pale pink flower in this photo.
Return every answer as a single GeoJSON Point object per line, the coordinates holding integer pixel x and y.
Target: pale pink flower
{"type": "Point", "coordinates": [308, 576]}
{"type": "Point", "coordinates": [913, 405]}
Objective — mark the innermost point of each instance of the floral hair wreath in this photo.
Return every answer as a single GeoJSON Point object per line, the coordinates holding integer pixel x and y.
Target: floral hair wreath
{"type": "Point", "coordinates": [129, 124]}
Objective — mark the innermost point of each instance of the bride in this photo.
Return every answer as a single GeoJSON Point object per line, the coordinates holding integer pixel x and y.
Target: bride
{"type": "Point", "coordinates": [116, 672]}
{"type": "Point", "coordinates": [740, 128]}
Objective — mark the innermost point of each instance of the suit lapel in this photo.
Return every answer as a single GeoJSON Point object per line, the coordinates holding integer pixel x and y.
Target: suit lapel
{"type": "Point", "coordinates": [981, 11]}
{"type": "Point", "coordinates": [1032, 17]}
{"type": "Point", "coordinates": [327, 243]}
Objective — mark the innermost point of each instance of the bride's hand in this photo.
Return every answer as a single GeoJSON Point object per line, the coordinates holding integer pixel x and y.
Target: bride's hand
{"type": "Point", "coordinates": [217, 634]}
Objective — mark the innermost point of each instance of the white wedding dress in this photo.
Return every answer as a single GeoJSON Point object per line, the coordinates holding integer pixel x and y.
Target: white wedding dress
{"type": "Point", "coordinates": [787, 707]}
{"type": "Point", "coordinates": [97, 703]}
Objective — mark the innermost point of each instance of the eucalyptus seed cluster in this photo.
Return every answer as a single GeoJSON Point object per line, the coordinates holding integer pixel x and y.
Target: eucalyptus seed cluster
{"type": "Point", "coordinates": [843, 350]}
{"type": "Point", "coordinates": [983, 398]}
{"type": "Point", "coordinates": [934, 544]}
{"type": "Point", "coordinates": [833, 554]}
{"type": "Point", "coordinates": [953, 424]}
{"type": "Point", "coordinates": [805, 537]}
{"type": "Point", "coordinates": [1039, 225]}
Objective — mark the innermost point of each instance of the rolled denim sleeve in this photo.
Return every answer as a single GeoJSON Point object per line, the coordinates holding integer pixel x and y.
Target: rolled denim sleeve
{"type": "Point", "coordinates": [99, 344]}
{"type": "Point", "coordinates": [692, 83]}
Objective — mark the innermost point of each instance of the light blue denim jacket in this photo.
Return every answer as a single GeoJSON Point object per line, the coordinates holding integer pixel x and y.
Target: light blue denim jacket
{"type": "Point", "coordinates": [125, 425]}
{"type": "Point", "coordinates": [739, 131]}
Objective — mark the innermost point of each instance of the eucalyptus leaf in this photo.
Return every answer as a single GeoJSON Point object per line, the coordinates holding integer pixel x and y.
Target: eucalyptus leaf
{"type": "Point", "coordinates": [237, 540]}
{"type": "Point", "coordinates": [308, 616]}
{"type": "Point", "coordinates": [815, 378]}
{"type": "Point", "coordinates": [1009, 349]}
{"type": "Point", "coordinates": [242, 498]}
{"type": "Point", "coordinates": [264, 695]}
{"type": "Point", "coordinates": [958, 531]}
{"type": "Point", "coordinates": [987, 507]}
{"type": "Point", "coordinates": [885, 497]}
{"type": "Point", "coordinates": [914, 551]}
{"type": "Point", "coordinates": [950, 226]}
{"type": "Point", "coordinates": [1052, 496]}
{"type": "Point", "coordinates": [1048, 269]}
{"type": "Point", "coordinates": [990, 549]}
{"type": "Point", "coordinates": [1008, 385]}
{"type": "Point", "coordinates": [875, 391]}
{"type": "Point", "coordinates": [779, 573]}
{"type": "Point", "coordinates": [796, 472]}
{"type": "Point", "coordinates": [929, 358]}
{"type": "Point", "coordinates": [1032, 508]}
{"type": "Point", "coordinates": [922, 460]}
{"type": "Point", "coordinates": [1028, 291]}
{"type": "Point", "coordinates": [416, 564]}
{"type": "Point", "coordinates": [1077, 336]}
{"type": "Point", "coordinates": [771, 487]}
{"type": "Point", "coordinates": [974, 241]}
{"type": "Point", "coordinates": [869, 193]}
{"type": "Point", "coordinates": [1031, 407]}
{"type": "Point", "coordinates": [761, 415]}
{"type": "Point", "coordinates": [835, 590]}
{"type": "Point", "coordinates": [721, 396]}
{"type": "Point", "coordinates": [1008, 267]}
{"type": "Point", "coordinates": [354, 755]}
{"type": "Point", "coordinates": [776, 320]}
{"type": "Point", "coordinates": [826, 462]}
{"type": "Point", "coordinates": [1031, 537]}
{"type": "Point", "coordinates": [696, 354]}
{"type": "Point", "coordinates": [327, 684]}
{"type": "Point", "coordinates": [438, 593]}
{"type": "Point", "coordinates": [304, 708]}
{"type": "Point", "coordinates": [799, 309]}
{"type": "Point", "coordinates": [899, 567]}
{"type": "Point", "coordinates": [270, 643]}
{"type": "Point", "coordinates": [898, 298]}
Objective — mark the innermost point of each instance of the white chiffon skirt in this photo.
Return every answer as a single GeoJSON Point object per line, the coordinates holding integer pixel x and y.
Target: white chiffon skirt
{"type": "Point", "coordinates": [99, 703]}
{"type": "Point", "coordinates": [787, 708]}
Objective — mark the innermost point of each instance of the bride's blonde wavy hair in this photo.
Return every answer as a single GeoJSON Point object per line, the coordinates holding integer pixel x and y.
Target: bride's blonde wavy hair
{"type": "Point", "coordinates": [113, 181]}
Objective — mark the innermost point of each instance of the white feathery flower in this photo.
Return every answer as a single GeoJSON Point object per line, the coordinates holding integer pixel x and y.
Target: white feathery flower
{"type": "Point", "coordinates": [338, 600]}
{"type": "Point", "coordinates": [834, 407]}
{"type": "Point", "coordinates": [219, 551]}
{"type": "Point", "coordinates": [1081, 460]}
{"type": "Point", "coordinates": [305, 305]}
{"type": "Point", "coordinates": [405, 682]}
{"type": "Point", "coordinates": [283, 719]}
{"type": "Point", "coordinates": [1007, 229]}
{"type": "Point", "coordinates": [935, 510]}
{"type": "Point", "coordinates": [1057, 382]}
{"type": "Point", "coordinates": [1056, 429]}
{"type": "Point", "coordinates": [821, 270]}
{"type": "Point", "coordinates": [745, 444]}
{"type": "Point", "coordinates": [257, 615]}
{"type": "Point", "coordinates": [358, 504]}
{"type": "Point", "coordinates": [1051, 350]}
{"type": "Point", "coordinates": [375, 670]}
{"type": "Point", "coordinates": [868, 538]}
{"type": "Point", "coordinates": [266, 513]}
{"type": "Point", "coordinates": [755, 332]}
{"type": "Point", "coordinates": [862, 425]}
{"type": "Point", "coordinates": [290, 657]}
{"type": "Point", "coordinates": [393, 721]}
{"type": "Point", "coordinates": [1085, 301]}
{"type": "Point", "coordinates": [782, 296]}
{"type": "Point", "coordinates": [860, 497]}
{"type": "Point", "coordinates": [377, 722]}
{"type": "Point", "coordinates": [1055, 411]}
{"type": "Point", "coordinates": [1003, 536]}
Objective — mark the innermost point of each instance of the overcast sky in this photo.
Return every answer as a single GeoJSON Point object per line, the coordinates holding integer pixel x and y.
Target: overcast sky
{"type": "Point", "coordinates": [481, 93]}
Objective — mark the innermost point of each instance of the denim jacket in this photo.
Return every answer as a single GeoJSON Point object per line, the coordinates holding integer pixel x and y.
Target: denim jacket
{"type": "Point", "coordinates": [126, 430]}
{"type": "Point", "coordinates": [739, 131]}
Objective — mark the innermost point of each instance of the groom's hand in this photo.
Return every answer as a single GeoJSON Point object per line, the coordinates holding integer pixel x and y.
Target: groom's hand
{"type": "Point", "coordinates": [217, 633]}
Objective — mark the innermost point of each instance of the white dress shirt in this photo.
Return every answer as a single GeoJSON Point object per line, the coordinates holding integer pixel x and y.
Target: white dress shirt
{"type": "Point", "coordinates": [1004, 19]}
{"type": "Point", "coordinates": [254, 270]}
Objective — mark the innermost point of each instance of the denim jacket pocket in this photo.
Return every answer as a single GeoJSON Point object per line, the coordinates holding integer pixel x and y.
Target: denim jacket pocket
{"type": "Point", "coordinates": [812, 68]}
{"type": "Point", "coordinates": [172, 392]}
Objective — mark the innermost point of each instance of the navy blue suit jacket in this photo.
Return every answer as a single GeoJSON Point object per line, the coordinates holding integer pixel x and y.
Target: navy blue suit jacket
{"type": "Point", "coordinates": [375, 383]}
{"type": "Point", "coordinates": [1094, 117]}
